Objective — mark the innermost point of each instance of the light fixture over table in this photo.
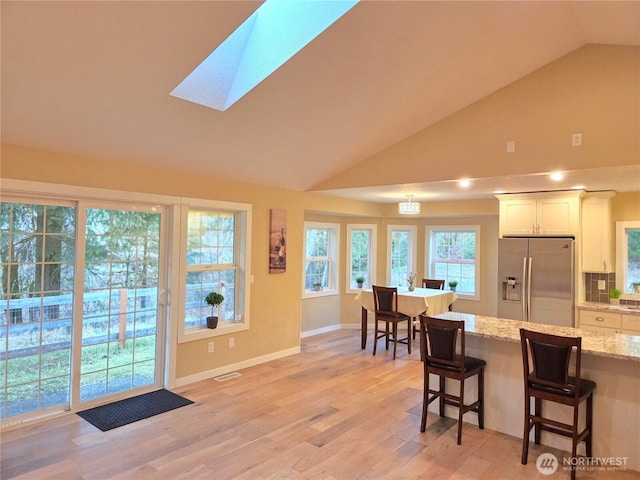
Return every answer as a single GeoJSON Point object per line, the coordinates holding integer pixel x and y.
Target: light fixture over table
{"type": "Point", "coordinates": [409, 207]}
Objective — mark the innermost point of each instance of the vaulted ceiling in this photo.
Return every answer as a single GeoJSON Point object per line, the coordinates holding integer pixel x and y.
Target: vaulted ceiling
{"type": "Point", "coordinates": [93, 78]}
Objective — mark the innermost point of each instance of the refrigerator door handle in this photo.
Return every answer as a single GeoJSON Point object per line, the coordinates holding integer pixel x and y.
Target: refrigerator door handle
{"type": "Point", "coordinates": [529, 289]}
{"type": "Point", "coordinates": [524, 300]}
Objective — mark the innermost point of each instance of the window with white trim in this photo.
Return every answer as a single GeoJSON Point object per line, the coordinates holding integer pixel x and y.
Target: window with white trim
{"type": "Point", "coordinates": [361, 253]}
{"type": "Point", "coordinates": [453, 255]}
{"type": "Point", "coordinates": [214, 258]}
{"type": "Point", "coordinates": [628, 258]}
{"type": "Point", "coordinates": [320, 275]}
{"type": "Point", "coordinates": [401, 253]}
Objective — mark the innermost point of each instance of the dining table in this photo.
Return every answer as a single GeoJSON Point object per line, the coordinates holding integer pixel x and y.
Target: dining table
{"type": "Point", "coordinates": [411, 303]}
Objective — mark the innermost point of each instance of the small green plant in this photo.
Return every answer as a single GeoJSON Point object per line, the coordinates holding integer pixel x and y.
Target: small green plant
{"type": "Point", "coordinates": [635, 286]}
{"type": "Point", "coordinates": [214, 299]}
{"type": "Point", "coordinates": [453, 283]}
{"type": "Point", "coordinates": [360, 280]}
{"type": "Point", "coordinates": [614, 293]}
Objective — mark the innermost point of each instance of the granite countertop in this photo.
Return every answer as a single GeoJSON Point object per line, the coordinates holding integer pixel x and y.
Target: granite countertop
{"type": "Point", "coordinates": [612, 345]}
{"type": "Point", "coordinates": [605, 307]}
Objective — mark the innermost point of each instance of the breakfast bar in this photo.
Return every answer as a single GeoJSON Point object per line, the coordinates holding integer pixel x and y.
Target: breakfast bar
{"type": "Point", "coordinates": [611, 360]}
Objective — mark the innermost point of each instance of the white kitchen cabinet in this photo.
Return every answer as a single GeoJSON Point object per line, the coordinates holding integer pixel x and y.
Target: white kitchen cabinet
{"type": "Point", "coordinates": [597, 245]}
{"type": "Point", "coordinates": [543, 214]}
{"type": "Point", "coordinates": [607, 321]}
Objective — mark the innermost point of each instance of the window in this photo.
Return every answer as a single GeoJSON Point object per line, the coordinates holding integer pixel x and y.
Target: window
{"type": "Point", "coordinates": [627, 256]}
{"type": "Point", "coordinates": [401, 253]}
{"type": "Point", "coordinates": [452, 253]}
{"type": "Point", "coordinates": [361, 252]}
{"type": "Point", "coordinates": [214, 260]}
{"type": "Point", "coordinates": [321, 258]}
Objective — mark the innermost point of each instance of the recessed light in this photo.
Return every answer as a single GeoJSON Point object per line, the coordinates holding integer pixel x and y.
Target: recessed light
{"type": "Point", "coordinates": [464, 183]}
{"type": "Point", "coordinates": [556, 176]}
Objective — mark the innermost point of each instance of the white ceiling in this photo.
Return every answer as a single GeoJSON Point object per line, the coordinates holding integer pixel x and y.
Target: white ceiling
{"type": "Point", "coordinates": [93, 78]}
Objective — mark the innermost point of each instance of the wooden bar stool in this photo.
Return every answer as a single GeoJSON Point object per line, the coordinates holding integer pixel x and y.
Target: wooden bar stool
{"type": "Point", "coordinates": [546, 377]}
{"type": "Point", "coordinates": [438, 342]}
{"type": "Point", "coordinates": [386, 310]}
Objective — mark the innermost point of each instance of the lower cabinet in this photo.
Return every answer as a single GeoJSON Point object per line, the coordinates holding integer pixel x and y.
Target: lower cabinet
{"type": "Point", "coordinates": [597, 321]}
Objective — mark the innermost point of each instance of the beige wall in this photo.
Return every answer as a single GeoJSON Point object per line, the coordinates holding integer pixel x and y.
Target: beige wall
{"type": "Point", "coordinates": [593, 90]}
{"type": "Point", "coordinates": [275, 298]}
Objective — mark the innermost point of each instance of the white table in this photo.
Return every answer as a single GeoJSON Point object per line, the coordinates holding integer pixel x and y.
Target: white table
{"type": "Point", "coordinates": [412, 304]}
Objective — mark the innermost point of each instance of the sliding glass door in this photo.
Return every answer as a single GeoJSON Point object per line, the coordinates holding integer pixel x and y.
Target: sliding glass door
{"type": "Point", "coordinates": [82, 318]}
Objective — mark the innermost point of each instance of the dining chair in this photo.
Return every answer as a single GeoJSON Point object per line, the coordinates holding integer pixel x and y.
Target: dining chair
{"type": "Point", "coordinates": [545, 360]}
{"type": "Point", "coordinates": [438, 346]}
{"type": "Point", "coordinates": [386, 310]}
{"type": "Point", "coordinates": [427, 283]}
{"type": "Point", "coordinates": [433, 283]}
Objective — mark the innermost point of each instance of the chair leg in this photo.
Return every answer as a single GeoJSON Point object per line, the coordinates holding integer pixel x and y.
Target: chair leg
{"type": "Point", "coordinates": [386, 337]}
{"type": "Point", "coordinates": [409, 325]}
{"type": "Point", "coordinates": [441, 395]}
{"type": "Point", "coordinates": [527, 428]}
{"type": "Point", "coordinates": [481, 399]}
{"type": "Point", "coordinates": [589, 425]}
{"type": "Point", "coordinates": [425, 403]}
{"type": "Point", "coordinates": [460, 411]}
{"type": "Point", "coordinates": [375, 336]}
{"type": "Point", "coordinates": [538, 426]}
{"type": "Point", "coordinates": [395, 338]}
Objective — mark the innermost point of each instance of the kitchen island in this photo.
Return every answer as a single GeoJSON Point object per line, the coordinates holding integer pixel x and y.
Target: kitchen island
{"type": "Point", "coordinates": [611, 360]}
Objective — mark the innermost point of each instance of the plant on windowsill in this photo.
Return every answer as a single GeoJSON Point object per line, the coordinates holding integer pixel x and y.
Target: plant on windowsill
{"type": "Point", "coordinates": [614, 296]}
{"type": "Point", "coordinates": [317, 287]}
{"type": "Point", "coordinates": [453, 284]}
{"type": "Point", "coordinates": [635, 286]}
{"type": "Point", "coordinates": [214, 299]}
{"type": "Point", "coordinates": [360, 281]}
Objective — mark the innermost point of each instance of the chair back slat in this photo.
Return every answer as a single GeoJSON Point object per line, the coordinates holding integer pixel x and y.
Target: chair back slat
{"type": "Point", "coordinates": [385, 299]}
{"type": "Point", "coordinates": [433, 283]}
{"type": "Point", "coordinates": [438, 342]}
{"type": "Point", "coordinates": [546, 360]}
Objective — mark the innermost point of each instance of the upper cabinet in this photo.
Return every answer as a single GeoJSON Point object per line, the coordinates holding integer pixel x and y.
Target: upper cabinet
{"type": "Point", "coordinates": [597, 244]}
{"type": "Point", "coordinates": [540, 214]}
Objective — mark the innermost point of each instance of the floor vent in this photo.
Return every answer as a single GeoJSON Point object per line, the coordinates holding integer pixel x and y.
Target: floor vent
{"type": "Point", "coordinates": [227, 376]}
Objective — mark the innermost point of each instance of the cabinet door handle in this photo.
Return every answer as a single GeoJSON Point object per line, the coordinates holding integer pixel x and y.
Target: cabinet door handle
{"type": "Point", "coordinates": [533, 228]}
{"type": "Point", "coordinates": [599, 319]}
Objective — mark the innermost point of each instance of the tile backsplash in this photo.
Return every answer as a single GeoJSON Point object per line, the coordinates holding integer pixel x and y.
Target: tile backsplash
{"type": "Point", "coordinates": [592, 294]}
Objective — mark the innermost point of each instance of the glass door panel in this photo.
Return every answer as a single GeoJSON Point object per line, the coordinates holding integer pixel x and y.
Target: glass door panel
{"type": "Point", "coordinates": [120, 306]}
{"type": "Point", "coordinates": [37, 245]}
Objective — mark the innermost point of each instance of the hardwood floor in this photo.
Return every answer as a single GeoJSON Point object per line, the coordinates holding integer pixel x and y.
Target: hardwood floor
{"type": "Point", "coordinates": [332, 412]}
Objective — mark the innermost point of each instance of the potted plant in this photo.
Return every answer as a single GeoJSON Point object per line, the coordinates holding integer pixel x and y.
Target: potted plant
{"type": "Point", "coordinates": [453, 284]}
{"type": "Point", "coordinates": [635, 286]}
{"type": "Point", "coordinates": [360, 281]}
{"type": "Point", "coordinates": [317, 287]}
{"type": "Point", "coordinates": [614, 296]}
{"type": "Point", "coordinates": [214, 299]}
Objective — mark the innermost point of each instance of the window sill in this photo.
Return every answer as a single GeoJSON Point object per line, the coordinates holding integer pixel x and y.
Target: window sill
{"type": "Point", "coordinates": [198, 333]}
{"type": "Point", "coordinates": [324, 293]}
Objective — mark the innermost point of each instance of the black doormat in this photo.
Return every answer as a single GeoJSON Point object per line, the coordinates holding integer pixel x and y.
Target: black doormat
{"type": "Point", "coordinates": [130, 410]}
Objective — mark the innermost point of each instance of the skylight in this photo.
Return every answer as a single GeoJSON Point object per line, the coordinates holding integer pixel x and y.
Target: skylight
{"type": "Point", "coordinates": [273, 34]}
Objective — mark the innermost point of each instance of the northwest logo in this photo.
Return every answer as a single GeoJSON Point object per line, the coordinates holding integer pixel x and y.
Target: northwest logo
{"type": "Point", "coordinates": [547, 464]}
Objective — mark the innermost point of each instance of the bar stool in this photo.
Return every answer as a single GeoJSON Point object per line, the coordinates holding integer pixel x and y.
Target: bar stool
{"type": "Point", "coordinates": [438, 342]}
{"type": "Point", "coordinates": [386, 310]}
{"type": "Point", "coordinates": [547, 378]}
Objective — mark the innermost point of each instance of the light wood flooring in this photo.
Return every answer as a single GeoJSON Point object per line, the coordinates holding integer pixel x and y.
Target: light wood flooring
{"type": "Point", "coordinates": [332, 412]}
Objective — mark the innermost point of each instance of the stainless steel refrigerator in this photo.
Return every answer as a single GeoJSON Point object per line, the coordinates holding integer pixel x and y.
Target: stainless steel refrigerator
{"type": "Point", "coordinates": [536, 280]}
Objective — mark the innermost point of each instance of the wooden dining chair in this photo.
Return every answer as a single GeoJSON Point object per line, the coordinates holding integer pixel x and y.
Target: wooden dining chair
{"type": "Point", "coordinates": [438, 345]}
{"type": "Point", "coordinates": [427, 283]}
{"type": "Point", "coordinates": [433, 283]}
{"type": "Point", "coordinates": [545, 360]}
{"type": "Point", "coordinates": [386, 310]}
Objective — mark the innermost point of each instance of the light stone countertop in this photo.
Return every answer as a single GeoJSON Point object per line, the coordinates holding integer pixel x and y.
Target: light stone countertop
{"type": "Point", "coordinates": [612, 345]}
{"type": "Point", "coordinates": [604, 307]}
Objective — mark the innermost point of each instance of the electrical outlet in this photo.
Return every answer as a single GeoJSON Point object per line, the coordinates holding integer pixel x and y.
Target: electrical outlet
{"type": "Point", "coordinates": [210, 347]}
{"type": "Point", "coordinates": [602, 285]}
{"type": "Point", "coordinates": [511, 146]}
{"type": "Point", "coordinates": [576, 139]}
{"type": "Point", "coordinates": [232, 342]}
